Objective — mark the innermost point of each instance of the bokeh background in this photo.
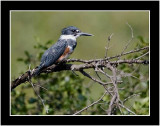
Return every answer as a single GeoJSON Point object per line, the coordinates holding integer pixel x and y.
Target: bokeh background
{"type": "Point", "coordinates": [29, 28]}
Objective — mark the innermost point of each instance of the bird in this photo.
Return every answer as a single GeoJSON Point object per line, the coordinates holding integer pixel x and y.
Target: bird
{"type": "Point", "coordinates": [62, 49]}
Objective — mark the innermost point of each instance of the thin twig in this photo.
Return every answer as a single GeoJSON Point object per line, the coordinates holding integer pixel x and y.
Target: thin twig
{"type": "Point", "coordinates": [141, 56]}
{"type": "Point", "coordinates": [126, 46]}
{"type": "Point", "coordinates": [98, 75]}
{"type": "Point", "coordinates": [46, 109]}
{"type": "Point", "coordinates": [112, 82]}
{"type": "Point", "coordinates": [107, 47]}
{"type": "Point", "coordinates": [94, 79]}
{"type": "Point", "coordinates": [108, 58]}
{"type": "Point", "coordinates": [133, 95]}
{"type": "Point", "coordinates": [101, 71]}
{"type": "Point", "coordinates": [40, 86]}
{"type": "Point", "coordinates": [91, 104]}
{"type": "Point", "coordinates": [127, 109]}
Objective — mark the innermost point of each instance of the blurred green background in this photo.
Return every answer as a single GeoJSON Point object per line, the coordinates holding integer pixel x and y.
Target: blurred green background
{"type": "Point", "coordinates": [29, 28]}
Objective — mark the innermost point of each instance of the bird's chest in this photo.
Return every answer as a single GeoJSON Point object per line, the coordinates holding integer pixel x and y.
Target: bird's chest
{"type": "Point", "coordinates": [71, 44]}
{"type": "Point", "coordinates": [69, 50]}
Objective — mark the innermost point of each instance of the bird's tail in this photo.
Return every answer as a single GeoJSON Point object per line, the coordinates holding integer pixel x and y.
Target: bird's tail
{"type": "Point", "coordinates": [38, 70]}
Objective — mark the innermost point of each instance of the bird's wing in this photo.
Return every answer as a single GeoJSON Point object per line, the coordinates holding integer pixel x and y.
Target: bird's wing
{"type": "Point", "coordinates": [53, 53]}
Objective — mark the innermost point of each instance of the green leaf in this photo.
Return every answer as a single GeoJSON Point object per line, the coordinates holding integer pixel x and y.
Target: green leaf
{"type": "Point", "coordinates": [141, 39]}
{"type": "Point", "coordinates": [32, 100]}
{"type": "Point", "coordinates": [26, 53]}
{"type": "Point", "coordinates": [20, 59]}
{"type": "Point", "coordinates": [49, 42]}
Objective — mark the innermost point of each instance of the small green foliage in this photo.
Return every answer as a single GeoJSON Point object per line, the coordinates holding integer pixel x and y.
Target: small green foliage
{"type": "Point", "coordinates": [18, 103]}
{"type": "Point", "coordinates": [142, 42]}
{"type": "Point", "coordinates": [65, 94]}
{"type": "Point", "coordinates": [32, 100]}
{"type": "Point", "coordinates": [20, 59]}
{"type": "Point", "coordinates": [28, 58]}
{"type": "Point", "coordinates": [142, 107]}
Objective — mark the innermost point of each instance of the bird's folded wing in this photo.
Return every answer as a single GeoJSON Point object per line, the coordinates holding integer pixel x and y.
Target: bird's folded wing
{"type": "Point", "coordinates": [53, 53]}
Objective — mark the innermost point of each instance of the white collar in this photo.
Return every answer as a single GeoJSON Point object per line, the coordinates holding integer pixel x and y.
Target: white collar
{"type": "Point", "coordinates": [68, 37]}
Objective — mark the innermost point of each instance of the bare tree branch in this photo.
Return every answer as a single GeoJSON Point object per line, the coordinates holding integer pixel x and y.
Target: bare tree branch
{"type": "Point", "coordinates": [133, 95]}
{"type": "Point", "coordinates": [107, 46]}
{"type": "Point", "coordinates": [55, 68]}
{"type": "Point", "coordinates": [127, 109]}
{"type": "Point", "coordinates": [91, 104]}
{"type": "Point", "coordinates": [108, 58]}
{"type": "Point", "coordinates": [111, 104]}
{"type": "Point", "coordinates": [126, 46]}
{"type": "Point", "coordinates": [142, 56]}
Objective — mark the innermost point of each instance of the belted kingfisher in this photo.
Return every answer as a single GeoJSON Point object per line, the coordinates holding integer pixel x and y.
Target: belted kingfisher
{"type": "Point", "coordinates": [61, 49]}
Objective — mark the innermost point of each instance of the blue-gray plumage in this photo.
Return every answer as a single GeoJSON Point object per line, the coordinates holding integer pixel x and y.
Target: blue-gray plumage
{"type": "Point", "coordinates": [61, 49]}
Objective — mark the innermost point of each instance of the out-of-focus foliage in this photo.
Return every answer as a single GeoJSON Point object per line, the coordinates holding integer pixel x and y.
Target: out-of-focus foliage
{"type": "Point", "coordinates": [67, 93]}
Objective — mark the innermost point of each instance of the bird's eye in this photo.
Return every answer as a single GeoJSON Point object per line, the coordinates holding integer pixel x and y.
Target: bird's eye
{"type": "Point", "coordinates": [73, 30]}
{"type": "Point", "coordinates": [77, 31]}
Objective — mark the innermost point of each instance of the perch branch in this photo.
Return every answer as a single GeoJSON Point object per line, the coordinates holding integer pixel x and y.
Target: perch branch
{"type": "Point", "coordinates": [108, 58]}
{"type": "Point", "coordinates": [55, 68]}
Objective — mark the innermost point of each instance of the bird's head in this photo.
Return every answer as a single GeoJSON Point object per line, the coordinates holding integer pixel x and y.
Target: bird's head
{"type": "Point", "coordinates": [74, 32]}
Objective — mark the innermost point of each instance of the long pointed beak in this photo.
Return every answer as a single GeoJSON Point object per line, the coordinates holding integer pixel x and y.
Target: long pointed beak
{"type": "Point", "coordinates": [84, 34]}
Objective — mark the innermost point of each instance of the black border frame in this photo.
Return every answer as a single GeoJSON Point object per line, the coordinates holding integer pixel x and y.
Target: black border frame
{"type": "Point", "coordinates": [6, 6]}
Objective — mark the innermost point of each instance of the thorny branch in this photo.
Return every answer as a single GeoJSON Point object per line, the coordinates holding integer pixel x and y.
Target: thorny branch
{"type": "Point", "coordinates": [99, 66]}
